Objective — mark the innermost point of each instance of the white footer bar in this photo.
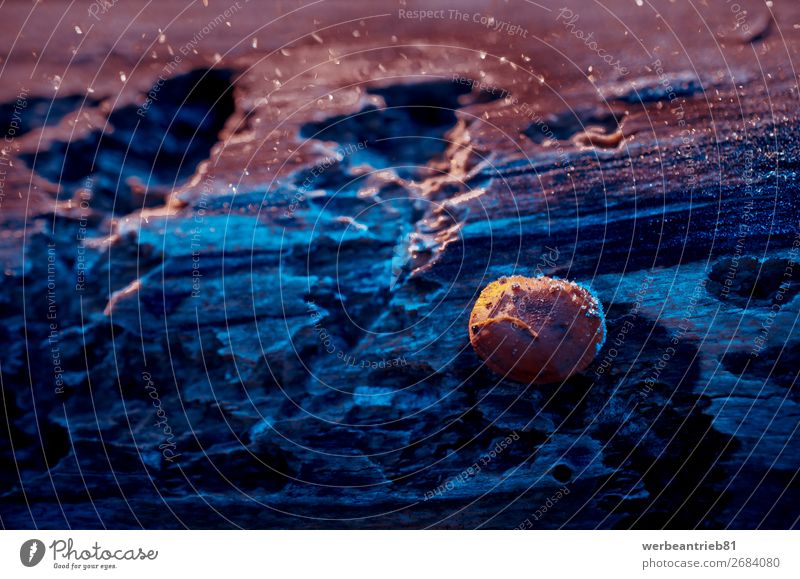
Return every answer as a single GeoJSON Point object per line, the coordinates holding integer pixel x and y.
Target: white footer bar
{"type": "Point", "coordinates": [399, 554]}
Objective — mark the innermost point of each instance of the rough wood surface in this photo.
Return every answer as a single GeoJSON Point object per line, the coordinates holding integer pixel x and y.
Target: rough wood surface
{"type": "Point", "coordinates": [241, 249]}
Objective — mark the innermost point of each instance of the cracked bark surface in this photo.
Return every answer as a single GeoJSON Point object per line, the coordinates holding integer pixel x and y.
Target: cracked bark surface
{"type": "Point", "coordinates": [293, 270]}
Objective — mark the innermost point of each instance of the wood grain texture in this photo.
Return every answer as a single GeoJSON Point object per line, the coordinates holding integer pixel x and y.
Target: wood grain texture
{"type": "Point", "coordinates": [276, 258]}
